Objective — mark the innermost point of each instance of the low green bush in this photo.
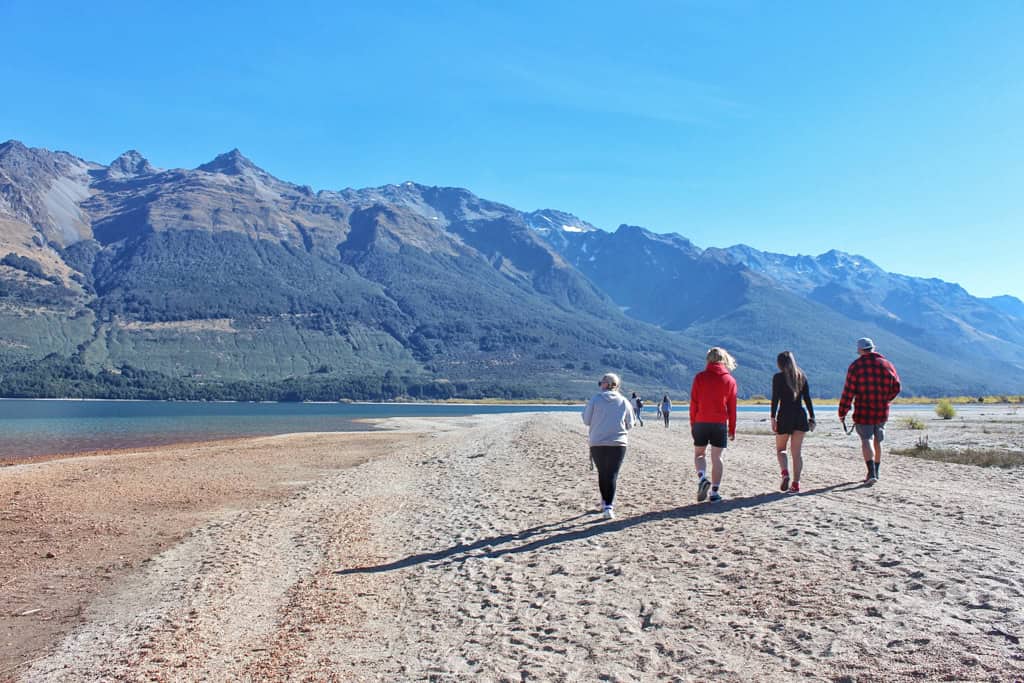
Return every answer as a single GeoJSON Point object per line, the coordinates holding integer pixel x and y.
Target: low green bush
{"type": "Point", "coordinates": [913, 423]}
{"type": "Point", "coordinates": [945, 409]}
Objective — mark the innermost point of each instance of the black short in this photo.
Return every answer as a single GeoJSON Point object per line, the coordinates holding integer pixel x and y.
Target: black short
{"type": "Point", "coordinates": [715, 433]}
{"type": "Point", "coordinates": [789, 422]}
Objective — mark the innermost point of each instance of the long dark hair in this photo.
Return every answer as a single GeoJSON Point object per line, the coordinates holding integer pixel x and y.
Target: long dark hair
{"type": "Point", "coordinates": [791, 372]}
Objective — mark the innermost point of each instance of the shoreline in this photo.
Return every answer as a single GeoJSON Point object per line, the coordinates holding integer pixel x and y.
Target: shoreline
{"type": "Point", "coordinates": [374, 424]}
{"type": "Point", "coordinates": [470, 546]}
{"type": "Point", "coordinates": [74, 527]}
{"type": "Point", "coordinates": [297, 555]}
{"type": "Point", "coordinates": [131, 450]}
{"type": "Point", "coordinates": [1013, 400]}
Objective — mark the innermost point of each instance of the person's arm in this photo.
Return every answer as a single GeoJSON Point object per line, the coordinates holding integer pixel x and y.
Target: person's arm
{"type": "Point", "coordinates": [588, 412]}
{"type": "Point", "coordinates": [732, 410]}
{"type": "Point", "coordinates": [775, 396]}
{"type": "Point", "coordinates": [807, 399]}
{"type": "Point", "coordinates": [894, 386]}
{"type": "Point", "coordinates": [849, 391]}
{"type": "Point", "coordinates": [630, 418]}
{"type": "Point", "coordinates": [694, 398]}
{"type": "Point", "coordinates": [775, 402]}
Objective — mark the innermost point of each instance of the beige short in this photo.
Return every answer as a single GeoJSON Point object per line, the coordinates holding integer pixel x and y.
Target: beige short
{"type": "Point", "coordinates": [869, 432]}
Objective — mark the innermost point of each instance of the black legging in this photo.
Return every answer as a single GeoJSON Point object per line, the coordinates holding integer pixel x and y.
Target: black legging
{"type": "Point", "coordinates": [608, 460]}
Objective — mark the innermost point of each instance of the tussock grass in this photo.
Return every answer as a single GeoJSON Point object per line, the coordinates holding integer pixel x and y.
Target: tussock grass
{"type": "Point", "coordinates": [945, 409]}
{"type": "Point", "coordinates": [981, 457]}
{"type": "Point", "coordinates": [912, 423]}
{"type": "Point", "coordinates": [961, 400]}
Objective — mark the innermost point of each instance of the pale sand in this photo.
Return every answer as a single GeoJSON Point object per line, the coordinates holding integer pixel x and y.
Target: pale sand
{"type": "Point", "coordinates": [469, 549]}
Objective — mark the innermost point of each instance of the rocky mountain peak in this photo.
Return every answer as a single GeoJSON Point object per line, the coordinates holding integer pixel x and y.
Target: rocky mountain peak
{"type": "Point", "coordinates": [552, 219]}
{"type": "Point", "coordinates": [835, 259]}
{"type": "Point", "coordinates": [12, 147]}
{"type": "Point", "coordinates": [130, 164]}
{"type": "Point", "coordinates": [231, 163]}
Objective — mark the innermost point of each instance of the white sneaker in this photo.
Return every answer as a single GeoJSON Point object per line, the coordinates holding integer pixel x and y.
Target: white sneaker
{"type": "Point", "coordinates": [608, 512]}
{"type": "Point", "coordinates": [702, 488]}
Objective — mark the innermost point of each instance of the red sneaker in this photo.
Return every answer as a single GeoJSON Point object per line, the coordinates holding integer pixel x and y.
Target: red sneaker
{"type": "Point", "coordinates": [785, 480]}
{"type": "Point", "coordinates": [795, 488]}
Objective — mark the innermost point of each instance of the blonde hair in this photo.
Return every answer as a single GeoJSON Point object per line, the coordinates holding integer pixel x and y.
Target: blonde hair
{"type": "Point", "coordinates": [717, 354]}
{"type": "Point", "coordinates": [611, 379]}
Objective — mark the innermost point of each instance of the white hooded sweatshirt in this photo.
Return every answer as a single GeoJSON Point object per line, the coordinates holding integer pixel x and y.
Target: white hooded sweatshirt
{"type": "Point", "coordinates": [609, 416]}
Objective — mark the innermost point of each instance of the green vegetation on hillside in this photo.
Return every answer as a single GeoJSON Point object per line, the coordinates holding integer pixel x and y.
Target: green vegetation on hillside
{"type": "Point", "coordinates": [59, 377]}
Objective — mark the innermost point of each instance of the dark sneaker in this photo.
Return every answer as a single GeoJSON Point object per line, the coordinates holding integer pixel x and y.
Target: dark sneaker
{"type": "Point", "coordinates": [870, 479]}
{"type": "Point", "coordinates": [714, 497]}
{"type": "Point", "coordinates": [702, 488]}
{"type": "Point", "coordinates": [785, 481]}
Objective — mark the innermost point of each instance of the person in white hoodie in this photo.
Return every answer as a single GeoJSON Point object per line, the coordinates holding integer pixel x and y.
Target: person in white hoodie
{"type": "Point", "coordinates": [609, 416]}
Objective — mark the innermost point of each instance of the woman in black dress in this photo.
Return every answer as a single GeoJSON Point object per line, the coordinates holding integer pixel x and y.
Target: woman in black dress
{"type": "Point", "coordinates": [789, 420]}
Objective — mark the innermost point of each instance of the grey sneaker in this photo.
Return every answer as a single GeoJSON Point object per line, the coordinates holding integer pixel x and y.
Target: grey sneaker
{"type": "Point", "coordinates": [714, 497]}
{"type": "Point", "coordinates": [609, 513]}
{"type": "Point", "coordinates": [702, 488]}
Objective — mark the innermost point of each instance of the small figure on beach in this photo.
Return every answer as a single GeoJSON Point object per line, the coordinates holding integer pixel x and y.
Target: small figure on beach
{"type": "Point", "coordinates": [871, 384]}
{"type": "Point", "coordinates": [712, 419]}
{"type": "Point", "coordinates": [790, 421]}
{"type": "Point", "coordinates": [610, 417]}
{"type": "Point", "coordinates": [665, 408]}
{"type": "Point", "coordinates": [638, 408]}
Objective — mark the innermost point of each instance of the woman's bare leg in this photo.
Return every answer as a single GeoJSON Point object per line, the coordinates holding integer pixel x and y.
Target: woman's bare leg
{"type": "Point", "coordinates": [796, 451]}
{"type": "Point", "coordinates": [780, 451]}
{"type": "Point", "coordinates": [717, 468]}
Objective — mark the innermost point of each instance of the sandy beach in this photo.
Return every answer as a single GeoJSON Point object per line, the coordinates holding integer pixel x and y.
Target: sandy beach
{"type": "Point", "coordinates": [471, 549]}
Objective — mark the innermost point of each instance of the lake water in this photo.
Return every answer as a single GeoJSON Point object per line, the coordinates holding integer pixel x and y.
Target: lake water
{"type": "Point", "coordinates": [30, 427]}
{"type": "Point", "coordinates": [44, 427]}
{"type": "Point", "coordinates": [49, 427]}
{"type": "Point", "coordinates": [34, 427]}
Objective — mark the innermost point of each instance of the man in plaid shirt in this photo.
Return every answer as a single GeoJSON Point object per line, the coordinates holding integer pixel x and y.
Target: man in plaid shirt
{"type": "Point", "coordinates": [871, 383]}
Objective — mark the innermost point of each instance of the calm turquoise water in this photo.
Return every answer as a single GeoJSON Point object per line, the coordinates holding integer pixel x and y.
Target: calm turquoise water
{"type": "Point", "coordinates": [30, 427]}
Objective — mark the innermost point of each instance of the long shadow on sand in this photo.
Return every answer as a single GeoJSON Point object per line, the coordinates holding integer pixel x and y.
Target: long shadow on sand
{"type": "Point", "coordinates": [581, 526]}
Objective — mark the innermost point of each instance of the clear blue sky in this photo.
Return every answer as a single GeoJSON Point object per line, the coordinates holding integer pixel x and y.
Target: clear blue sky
{"type": "Point", "coordinates": [890, 129]}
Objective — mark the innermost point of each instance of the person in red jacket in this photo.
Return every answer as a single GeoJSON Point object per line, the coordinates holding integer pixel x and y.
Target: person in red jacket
{"type": "Point", "coordinates": [712, 418]}
{"type": "Point", "coordinates": [871, 384]}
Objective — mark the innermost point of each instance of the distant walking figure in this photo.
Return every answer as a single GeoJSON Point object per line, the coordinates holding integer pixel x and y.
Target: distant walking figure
{"type": "Point", "coordinates": [789, 420]}
{"type": "Point", "coordinates": [638, 408]}
{"type": "Point", "coordinates": [609, 416]}
{"type": "Point", "coordinates": [871, 384]}
{"type": "Point", "coordinates": [712, 418]}
{"type": "Point", "coordinates": [665, 408]}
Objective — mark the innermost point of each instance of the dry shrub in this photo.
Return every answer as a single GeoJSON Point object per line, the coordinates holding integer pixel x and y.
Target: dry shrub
{"type": "Point", "coordinates": [913, 423]}
{"type": "Point", "coordinates": [981, 457]}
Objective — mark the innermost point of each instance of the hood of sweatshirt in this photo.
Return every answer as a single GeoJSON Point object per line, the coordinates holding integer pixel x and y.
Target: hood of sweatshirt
{"type": "Point", "coordinates": [717, 368]}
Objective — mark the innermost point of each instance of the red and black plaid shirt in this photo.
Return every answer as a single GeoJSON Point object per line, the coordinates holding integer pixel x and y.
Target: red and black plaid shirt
{"type": "Point", "coordinates": [871, 382]}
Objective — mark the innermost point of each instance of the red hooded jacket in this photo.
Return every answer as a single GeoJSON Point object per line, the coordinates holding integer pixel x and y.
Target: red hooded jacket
{"type": "Point", "coordinates": [713, 397]}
